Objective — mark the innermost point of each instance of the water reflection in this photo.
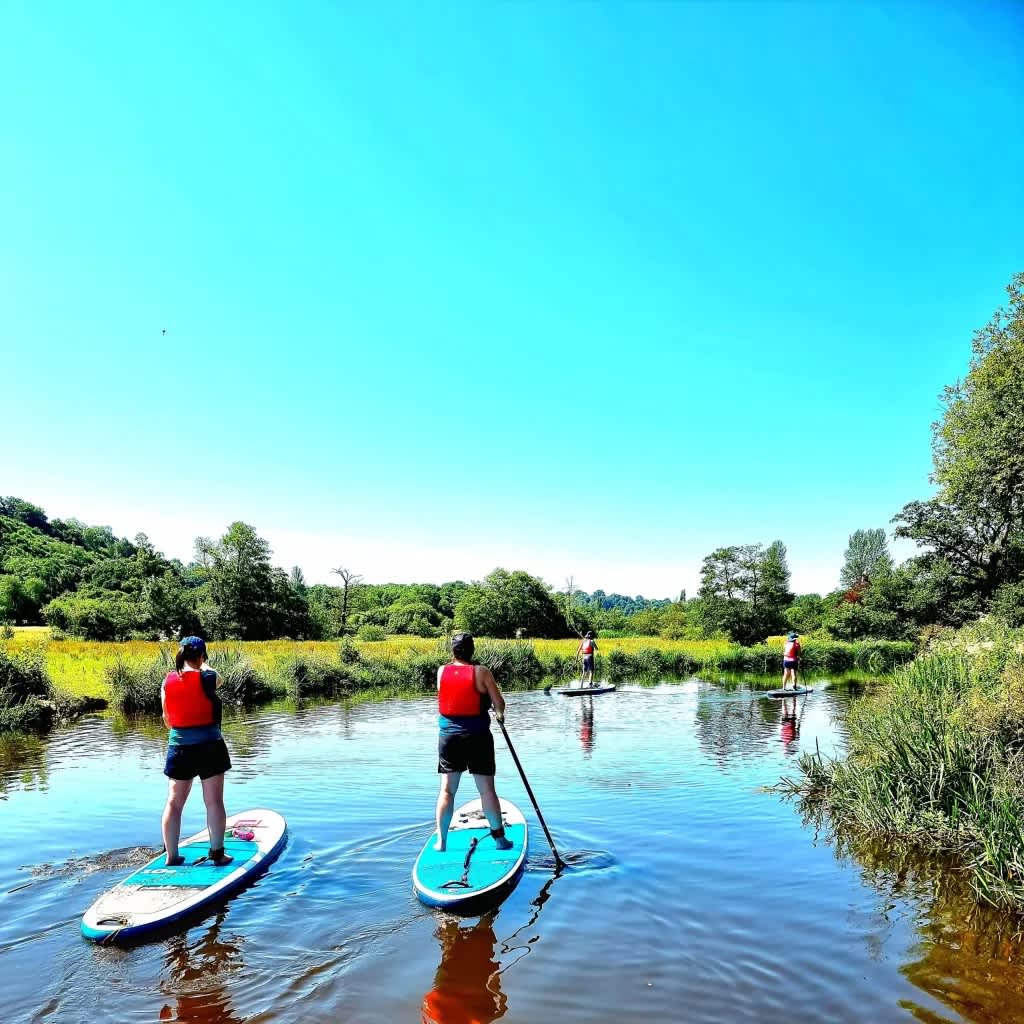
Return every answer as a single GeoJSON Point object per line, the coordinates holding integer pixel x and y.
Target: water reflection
{"type": "Point", "coordinates": [790, 719]}
{"type": "Point", "coordinates": [587, 726]}
{"type": "Point", "coordinates": [197, 977]}
{"type": "Point", "coordinates": [467, 984]}
{"type": "Point", "coordinates": [22, 763]}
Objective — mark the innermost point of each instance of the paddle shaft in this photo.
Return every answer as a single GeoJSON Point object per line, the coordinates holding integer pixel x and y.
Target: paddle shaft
{"type": "Point", "coordinates": [543, 824]}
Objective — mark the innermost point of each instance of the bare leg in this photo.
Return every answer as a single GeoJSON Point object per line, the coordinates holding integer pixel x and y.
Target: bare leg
{"type": "Point", "coordinates": [216, 815]}
{"type": "Point", "coordinates": [170, 824]}
{"type": "Point", "coordinates": [446, 807]}
{"type": "Point", "coordinates": [492, 808]}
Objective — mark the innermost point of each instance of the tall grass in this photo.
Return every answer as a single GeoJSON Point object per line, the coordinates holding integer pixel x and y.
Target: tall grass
{"type": "Point", "coordinates": [937, 758]}
{"type": "Point", "coordinates": [26, 693]}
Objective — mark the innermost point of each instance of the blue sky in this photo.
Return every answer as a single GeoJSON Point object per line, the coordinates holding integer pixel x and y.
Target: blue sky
{"type": "Point", "coordinates": [584, 289]}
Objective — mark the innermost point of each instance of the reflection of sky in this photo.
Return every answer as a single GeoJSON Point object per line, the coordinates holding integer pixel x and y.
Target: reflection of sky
{"type": "Point", "coordinates": [701, 876]}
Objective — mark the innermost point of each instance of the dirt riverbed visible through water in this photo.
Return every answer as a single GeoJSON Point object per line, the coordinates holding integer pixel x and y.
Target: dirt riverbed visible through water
{"type": "Point", "coordinates": [691, 894]}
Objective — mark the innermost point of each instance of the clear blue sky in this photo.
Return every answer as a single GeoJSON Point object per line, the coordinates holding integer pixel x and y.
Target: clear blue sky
{"type": "Point", "coordinates": [583, 289]}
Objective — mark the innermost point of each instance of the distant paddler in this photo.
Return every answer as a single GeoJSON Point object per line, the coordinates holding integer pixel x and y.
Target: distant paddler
{"type": "Point", "coordinates": [586, 650]}
{"type": "Point", "coordinates": [790, 659]}
{"type": "Point", "coordinates": [465, 694]}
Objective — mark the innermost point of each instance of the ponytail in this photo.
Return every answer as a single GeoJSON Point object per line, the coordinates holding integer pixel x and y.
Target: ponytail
{"type": "Point", "coordinates": [179, 661]}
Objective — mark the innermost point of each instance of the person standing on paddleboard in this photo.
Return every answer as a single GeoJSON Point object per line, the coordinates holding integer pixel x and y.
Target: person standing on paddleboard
{"type": "Point", "coordinates": [587, 649]}
{"type": "Point", "coordinates": [465, 693]}
{"type": "Point", "coordinates": [195, 746]}
{"type": "Point", "coordinates": [790, 659]}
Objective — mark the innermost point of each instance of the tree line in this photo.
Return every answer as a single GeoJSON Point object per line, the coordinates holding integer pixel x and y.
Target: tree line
{"type": "Point", "coordinates": [86, 582]}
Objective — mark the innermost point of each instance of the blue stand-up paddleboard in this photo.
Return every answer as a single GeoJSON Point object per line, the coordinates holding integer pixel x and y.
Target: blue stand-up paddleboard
{"type": "Point", "coordinates": [157, 896]}
{"type": "Point", "coordinates": [472, 873]}
{"type": "Point", "coordinates": [798, 692]}
{"type": "Point", "coordinates": [585, 691]}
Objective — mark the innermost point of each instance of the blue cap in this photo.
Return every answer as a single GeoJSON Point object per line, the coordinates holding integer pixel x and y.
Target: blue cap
{"type": "Point", "coordinates": [193, 643]}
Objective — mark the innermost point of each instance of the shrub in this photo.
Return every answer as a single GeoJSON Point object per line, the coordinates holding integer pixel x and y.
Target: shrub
{"type": "Point", "coordinates": [371, 633]}
{"type": "Point", "coordinates": [26, 693]}
{"type": "Point", "coordinates": [135, 686]}
{"type": "Point", "coordinates": [311, 676]}
{"type": "Point", "coordinates": [240, 683]}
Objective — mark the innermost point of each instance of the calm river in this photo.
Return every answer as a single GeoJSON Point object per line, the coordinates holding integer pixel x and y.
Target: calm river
{"type": "Point", "coordinates": [694, 895]}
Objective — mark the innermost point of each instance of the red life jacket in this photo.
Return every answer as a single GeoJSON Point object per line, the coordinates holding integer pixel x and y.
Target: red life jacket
{"type": "Point", "coordinates": [185, 701]}
{"type": "Point", "coordinates": [792, 650]}
{"type": "Point", "coordinates": [588, 645]}
{"type": "Point", "coordinates": [458, 696]}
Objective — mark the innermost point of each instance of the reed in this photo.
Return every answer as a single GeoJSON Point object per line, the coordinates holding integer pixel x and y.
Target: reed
{"type": "Point", "coordinates": [937, 758]}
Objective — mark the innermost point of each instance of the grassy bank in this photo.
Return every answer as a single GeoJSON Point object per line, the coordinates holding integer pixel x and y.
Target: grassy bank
{"type": "Point", "coordinates": [128, 675]}
{"type": "Point", "coordinates": [937, 759]}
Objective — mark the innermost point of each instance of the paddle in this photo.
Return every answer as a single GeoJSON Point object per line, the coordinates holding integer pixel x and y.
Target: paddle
{"type": "Point", "coordinates": [559, 863]}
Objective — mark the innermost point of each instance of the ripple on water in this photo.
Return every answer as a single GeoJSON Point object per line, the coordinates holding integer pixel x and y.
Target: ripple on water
{"type": "Point", "coordinates": [689, 893]}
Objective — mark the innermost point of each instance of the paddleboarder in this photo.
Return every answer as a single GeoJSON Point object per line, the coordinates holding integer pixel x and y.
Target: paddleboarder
{"type": "Point", "coordinates": [465, 694]}
{"type": "Point", "coordinates": [587, 649]}
{"type": "Point", "coordinates": [790, 659]}
{"type": "Point", "coordinates": [195, 746]}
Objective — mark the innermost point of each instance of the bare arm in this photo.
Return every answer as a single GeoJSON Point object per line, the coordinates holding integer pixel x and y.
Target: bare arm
{"type": "Point", "coordinates": [163, 709]}
{"type": "Point", "coordinates": [485, 676]}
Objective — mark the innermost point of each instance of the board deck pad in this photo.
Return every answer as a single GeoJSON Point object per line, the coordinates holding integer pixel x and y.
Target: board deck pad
{"type": "Point", "coordinates": [156, 895]}
{"type": "Point", "coordinates": [490, 873]}
{"type": "Point", "coordinates": [798, 692]}
{"type": "Point", "coordinates": [583, 691]}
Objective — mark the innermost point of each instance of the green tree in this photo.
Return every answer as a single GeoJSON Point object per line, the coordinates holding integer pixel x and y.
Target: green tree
{"type": "Point", "coordinates": [866, 555]}
{"type": "Point", "coordinates": [972, 530]}
{"type": "Point", "coordinates": [507, 604]}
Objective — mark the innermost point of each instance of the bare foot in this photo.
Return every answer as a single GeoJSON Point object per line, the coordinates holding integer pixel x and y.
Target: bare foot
{"type": "Point", "coordinates": [440, 846]}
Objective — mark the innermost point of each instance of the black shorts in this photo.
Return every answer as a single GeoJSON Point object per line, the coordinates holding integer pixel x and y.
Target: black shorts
{"type": "Point", "coordinates": [460, 752]}
{"type": "Point", "coordinates": [789, 663]}
{"type": "Point", "coordinates": [588, 663]}
{"type": "Point", "coordinates": [187, 760]}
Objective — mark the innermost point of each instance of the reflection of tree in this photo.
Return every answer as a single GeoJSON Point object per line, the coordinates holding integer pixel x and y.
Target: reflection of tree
{"type": "Point", "coordinates": [728, 727]}
{"type": "Point", "coordinates": [968, 956]}
{"type": "Point", "coordinates": [197, 976]}
{"type": "Point", "coordinates": [23, 763]}
{"type": "Point", "coordinates": [467, 985]}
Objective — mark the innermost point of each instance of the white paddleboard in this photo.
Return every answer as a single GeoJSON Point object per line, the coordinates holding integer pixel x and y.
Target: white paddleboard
{"type": "Point", "coordinates": [156, 896]}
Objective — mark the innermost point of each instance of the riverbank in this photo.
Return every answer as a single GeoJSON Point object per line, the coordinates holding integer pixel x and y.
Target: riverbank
{"type": "Point", "coordinates": [936, 760]}
{"type": "Point", "coordinates": [95, 670]}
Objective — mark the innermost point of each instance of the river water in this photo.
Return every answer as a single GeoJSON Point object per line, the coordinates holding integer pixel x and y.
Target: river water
{"type": "Point", "coordinates": [693, 895]}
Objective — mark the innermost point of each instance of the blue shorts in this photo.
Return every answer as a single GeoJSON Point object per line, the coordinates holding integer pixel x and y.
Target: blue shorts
{"type": "Point", "coordinates": [789, 663]}
{"type": "Point", "coordinates": [588, 663]}
{"type": "Point", "coordinates": [187, 760]}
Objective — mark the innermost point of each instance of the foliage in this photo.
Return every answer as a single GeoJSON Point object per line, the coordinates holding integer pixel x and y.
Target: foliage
{"type": "Point", "coordinates": [508, 604]}
{"type": "Point", "coordinates": [937, 757]}
{"type": "Point", "coordinates": [866, 555]}
{"type": "Point", "coordinates": [744, 592]}
{"type": "Point", "coordinates": [972, 530]}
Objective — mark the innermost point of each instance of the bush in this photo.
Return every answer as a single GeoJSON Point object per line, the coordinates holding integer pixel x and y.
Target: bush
{"type": "Point", "coordinates": [240, 683]}
{"type": "Point", "coordinates": [135, 687]}
{"type": "Point", "coordinates": [26, 693]}
{"type": "Point", "coordinates": [309, 677]}
{"type": "Point", "coordinates": [370, 633]}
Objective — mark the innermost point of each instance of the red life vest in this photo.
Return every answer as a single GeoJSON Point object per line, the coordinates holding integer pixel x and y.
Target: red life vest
{"type": "Point", "coordinates": [458, 696]}
{"type": "Point", "coordinates": [588, 645]}
{"type": "Point", "coordinates": [792, 650]}
{"type": "Point", "coordinates": [185, 701]}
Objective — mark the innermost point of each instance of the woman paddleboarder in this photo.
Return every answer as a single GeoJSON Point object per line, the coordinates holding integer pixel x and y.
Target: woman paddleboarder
{"type": "Point", "coordinates": [790, 659]}
{"type": "Point", "coordinates": [195, 746]}
{"type": "Point", "coordinates": [465, 693]}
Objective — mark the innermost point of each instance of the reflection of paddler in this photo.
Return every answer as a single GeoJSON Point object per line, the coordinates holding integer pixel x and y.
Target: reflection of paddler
{"type": "Point", "coordinates": [467, 985]}
{"type": "Point", "coordinates": [790, 724]}
{"type": "Point", "coordinates": [587, 726]}
{"type": "Point", "coordinates": [199, 973]}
